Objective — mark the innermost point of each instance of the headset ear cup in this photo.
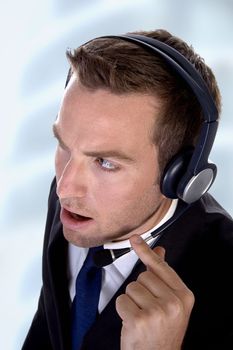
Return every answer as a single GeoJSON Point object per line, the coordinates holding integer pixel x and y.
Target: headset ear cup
{"type": "Point", "coordinates": [190, 189]}
{"type": "Point", "coordinates": [173, 173]}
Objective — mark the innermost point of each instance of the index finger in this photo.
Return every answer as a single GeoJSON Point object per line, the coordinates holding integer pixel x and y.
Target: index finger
{"type": "Point", "coordinates": [156, 263]}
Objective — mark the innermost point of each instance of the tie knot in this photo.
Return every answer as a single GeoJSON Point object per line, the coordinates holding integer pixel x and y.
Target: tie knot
{"type": "Point", "coordinates": [89, 262]}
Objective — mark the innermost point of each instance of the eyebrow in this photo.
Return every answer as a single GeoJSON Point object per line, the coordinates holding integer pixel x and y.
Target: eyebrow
{"type": "Point", "coordinates": [95, 154]}
{"type": "Point", "coordinates": [58, 136]}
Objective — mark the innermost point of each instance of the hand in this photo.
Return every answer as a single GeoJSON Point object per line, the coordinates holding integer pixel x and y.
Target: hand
{"type": "Point", "coordinates": [155, 309]}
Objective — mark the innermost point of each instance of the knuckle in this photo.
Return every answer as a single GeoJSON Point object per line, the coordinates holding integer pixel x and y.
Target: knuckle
{"type": "Point", "coordinates": [131, 287]}
{"type": "Point", "coordinates": [180, 304]}
{"type": "Point", "coordinates": [120, 300]}
{"type": "Point", "coordinates": [174, 307]}
{"type": "Point", "coordinates": [160, 261]}
{"type": "Point", "coordinates": [120, 303]}
{"type": "Point", "coordinates": [189, 298]}
{"type": "Point", "coordinates": [155, 316]}
{"type": "Point", "coordinates": [140, 323]}
{"type": "Point", "coordinates": [144, 276]}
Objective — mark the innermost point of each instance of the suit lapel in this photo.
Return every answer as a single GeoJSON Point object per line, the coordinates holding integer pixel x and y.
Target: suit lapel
{"type": "Point", "coordinates": [57, 297]}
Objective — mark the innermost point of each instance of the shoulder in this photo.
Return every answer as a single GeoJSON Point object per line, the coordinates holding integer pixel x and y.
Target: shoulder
{"type": "Point", "coordinates": [212, 207]}
{"type": "Point", "coordinates": [207, 210]}
{"type": "Point", "coordinates": [215, 213]}
{"type": "Point", "coordinates": [217, 223]}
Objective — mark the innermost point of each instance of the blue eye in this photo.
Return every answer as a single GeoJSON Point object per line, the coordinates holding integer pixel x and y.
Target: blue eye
{"type": "Point", "coordinates": [106, 164]}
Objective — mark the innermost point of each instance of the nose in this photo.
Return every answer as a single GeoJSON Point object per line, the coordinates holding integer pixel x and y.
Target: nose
{"type": "Point", "coordinates": [71, 180]}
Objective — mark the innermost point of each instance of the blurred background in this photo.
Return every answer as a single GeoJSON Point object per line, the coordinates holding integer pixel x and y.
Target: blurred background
{"type": "Point", "coordinates": [34, 36]}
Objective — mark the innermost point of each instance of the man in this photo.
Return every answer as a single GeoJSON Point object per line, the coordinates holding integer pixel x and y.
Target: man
{"type": "Point", "coordinates": [125, 113]}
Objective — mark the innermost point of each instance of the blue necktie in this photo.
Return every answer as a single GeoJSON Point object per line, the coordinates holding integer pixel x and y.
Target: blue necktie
{"type": "Point", "coordinates": [86, 300]}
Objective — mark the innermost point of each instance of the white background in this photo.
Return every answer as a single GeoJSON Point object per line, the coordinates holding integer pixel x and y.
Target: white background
{"type": "Point", "coordinates": [34, 36]}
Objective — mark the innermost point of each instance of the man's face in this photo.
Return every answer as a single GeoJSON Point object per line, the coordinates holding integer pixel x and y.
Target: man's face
{"type": "Point", "coordinates": [106, 165]}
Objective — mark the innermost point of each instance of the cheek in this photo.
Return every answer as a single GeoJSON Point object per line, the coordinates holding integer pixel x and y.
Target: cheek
{"type": "Point", "coordinates": [133, 184]}
{"type": "Point", "coordinates": [125, 191]}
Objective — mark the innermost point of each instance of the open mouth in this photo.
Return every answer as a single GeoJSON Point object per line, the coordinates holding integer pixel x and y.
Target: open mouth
{"type": "Point", "coordinates": [74, 221]}
{"type": "Point", "coordinates": [78, 217]}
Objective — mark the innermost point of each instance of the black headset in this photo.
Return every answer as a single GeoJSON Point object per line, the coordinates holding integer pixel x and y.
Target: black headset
{"type": "Point", "coordinates": [189, 174]}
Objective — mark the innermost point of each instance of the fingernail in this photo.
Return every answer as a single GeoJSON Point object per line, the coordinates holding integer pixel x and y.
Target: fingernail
{"type": "Point", "coordinates": [137, 239]}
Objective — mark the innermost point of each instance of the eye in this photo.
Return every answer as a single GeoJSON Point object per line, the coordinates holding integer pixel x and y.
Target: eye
{"type": "Point", "coordinates": [106, 164]}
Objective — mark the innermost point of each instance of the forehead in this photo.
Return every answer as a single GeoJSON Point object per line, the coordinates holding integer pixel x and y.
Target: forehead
{"type": "Point", "coordinates": [101, 115]}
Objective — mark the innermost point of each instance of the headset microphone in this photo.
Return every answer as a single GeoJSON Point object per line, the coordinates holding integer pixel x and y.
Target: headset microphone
{"type": "Point", "coordinates": [105, 257]}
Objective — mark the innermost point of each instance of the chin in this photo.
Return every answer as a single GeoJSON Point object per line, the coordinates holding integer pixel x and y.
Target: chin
{"type": "Point", "coordinates": [82, 240]}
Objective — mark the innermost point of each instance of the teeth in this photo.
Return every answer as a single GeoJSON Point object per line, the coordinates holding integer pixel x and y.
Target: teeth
{"type": "Point", "coordinates": [75, 216]}
{"type": "Point", "coordinates": [78, 217]}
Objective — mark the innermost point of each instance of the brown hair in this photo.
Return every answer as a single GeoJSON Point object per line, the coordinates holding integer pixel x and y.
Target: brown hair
{"type": "Point", "coordinates": [124, 67]}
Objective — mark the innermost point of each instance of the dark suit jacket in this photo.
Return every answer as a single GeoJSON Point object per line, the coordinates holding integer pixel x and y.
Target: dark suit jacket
{"type": "Point", "coordinates": [199, 246]}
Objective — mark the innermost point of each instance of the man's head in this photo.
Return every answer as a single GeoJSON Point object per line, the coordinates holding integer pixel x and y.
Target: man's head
{"type": "Point", "coordinates": [123, 67]}
{"type": "Point", "coordinates": [123, 116]}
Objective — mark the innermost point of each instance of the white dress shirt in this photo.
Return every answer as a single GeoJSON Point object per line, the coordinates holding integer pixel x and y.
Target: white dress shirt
{"type": "Point", "coordinates": [116, 273]}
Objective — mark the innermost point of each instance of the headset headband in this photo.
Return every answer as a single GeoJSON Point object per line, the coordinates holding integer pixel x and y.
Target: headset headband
{"type": "Point", "coordinates": [199, 172]}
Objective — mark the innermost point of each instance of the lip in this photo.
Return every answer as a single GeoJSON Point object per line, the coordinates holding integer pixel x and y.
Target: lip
{"type": "Point", "coordinates": [71, 223]}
